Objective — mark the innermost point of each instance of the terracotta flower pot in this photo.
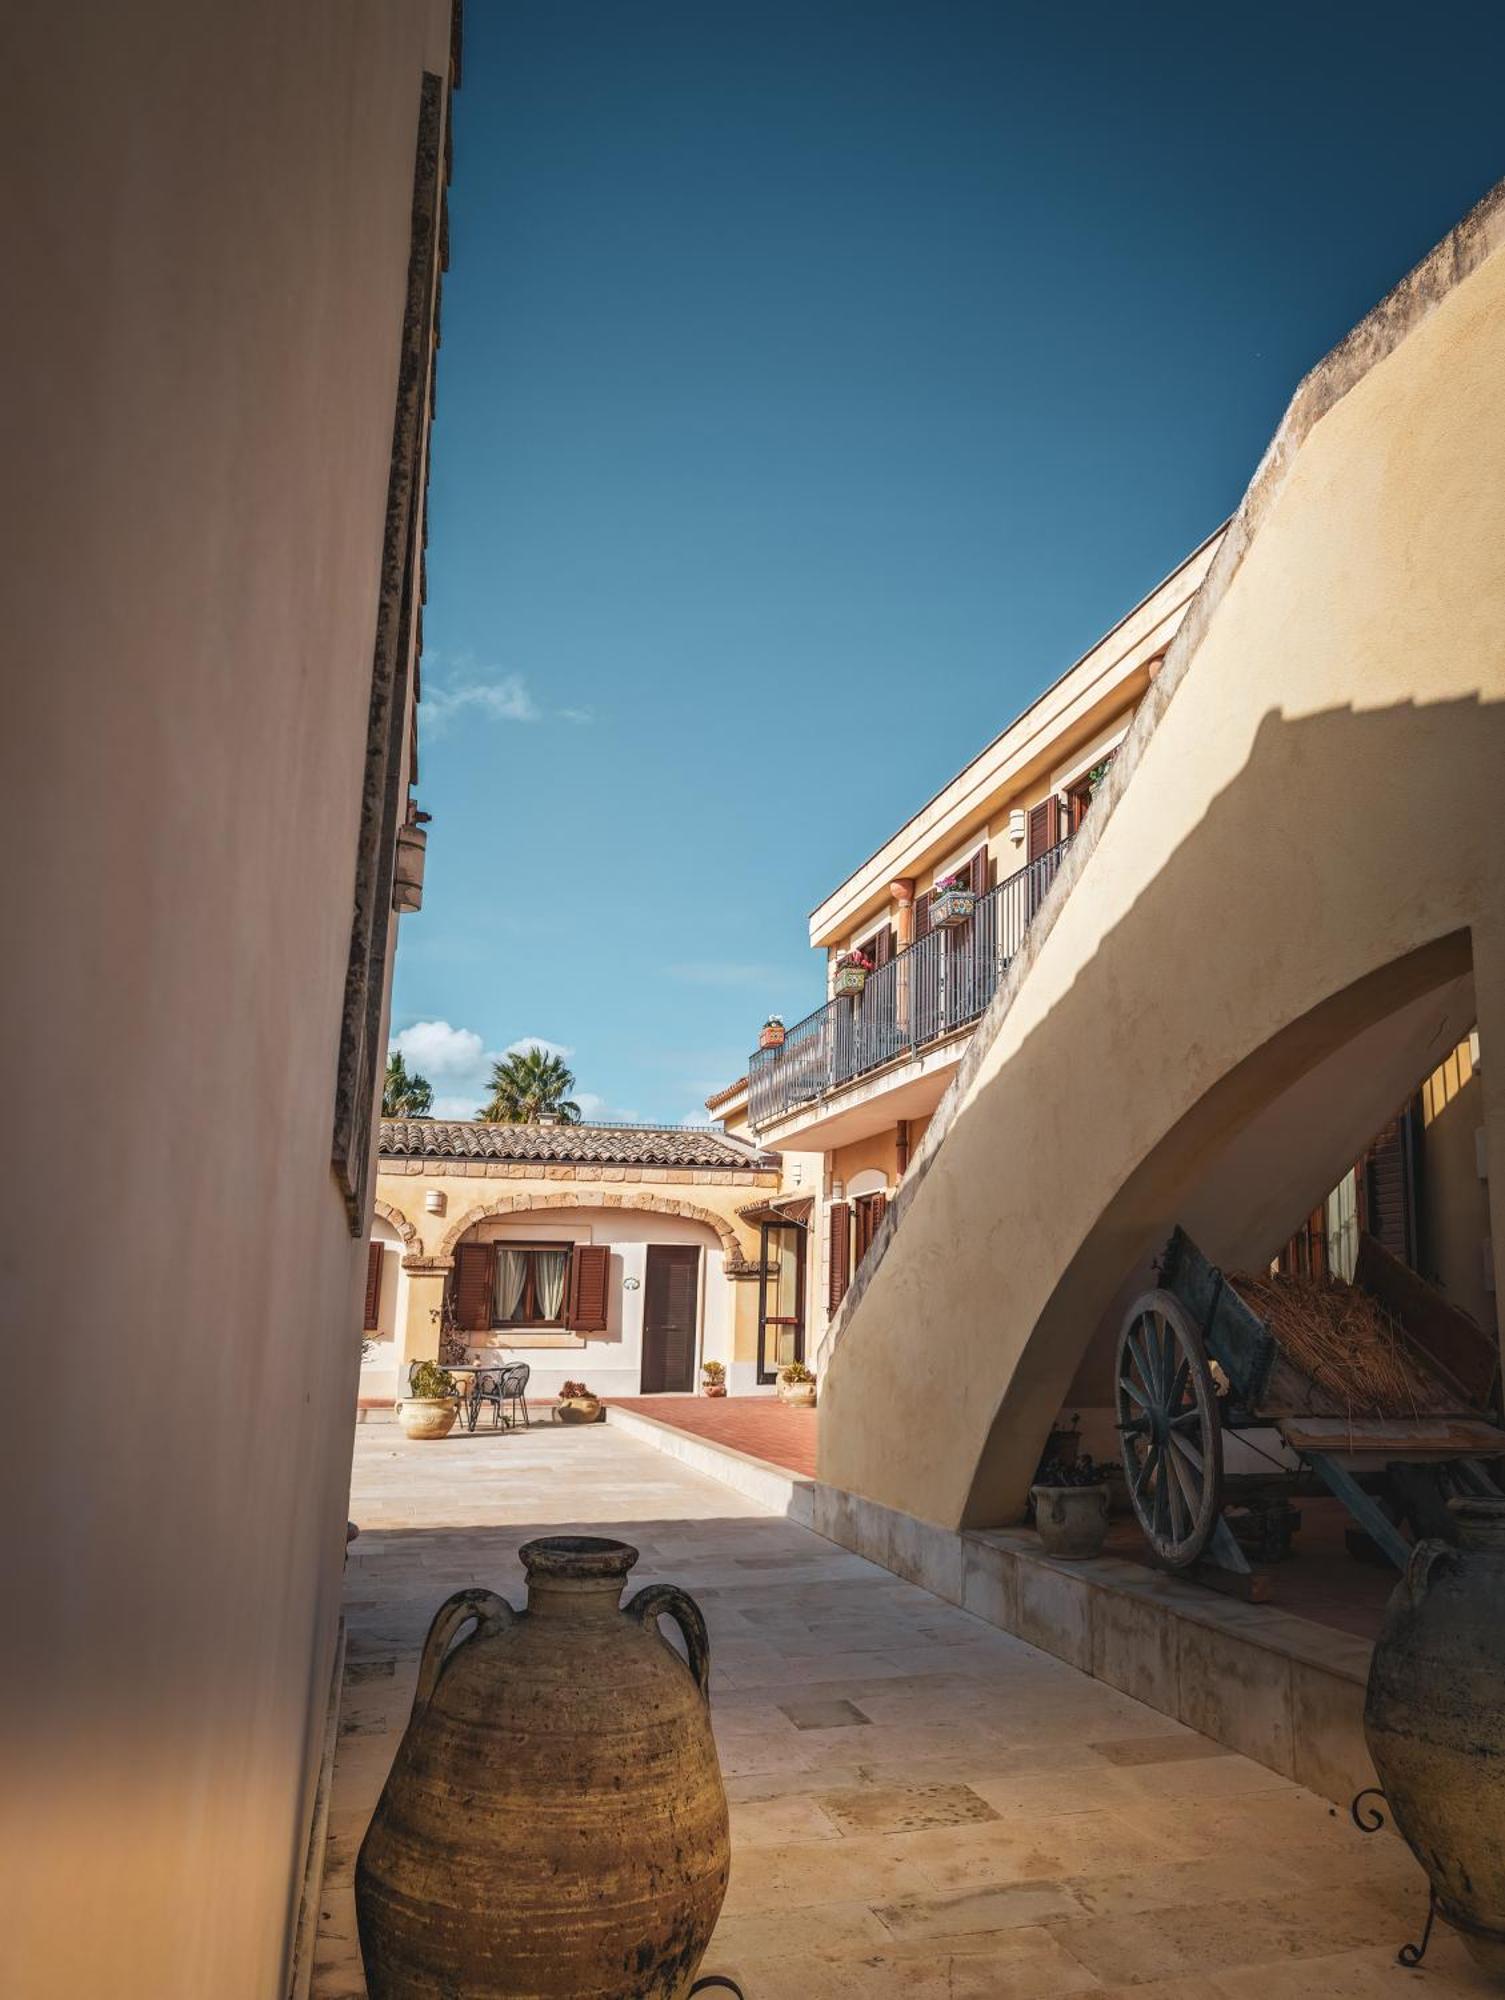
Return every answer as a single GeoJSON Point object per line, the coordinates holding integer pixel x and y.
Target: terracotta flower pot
{"type": "Point", "coordinates": [1434, 1719]}
{"type": "Point", "coordinates": [798, 1395]}
{"type": "Point", "coordinates": [771, 1038]}
{"type": "Point", "coordinates": [554, 1823]}
{"type": "Point", "coordinates": [1072, 1520]}
{"type": "Point", "coordinates": [427, 1416]}
{"type": "Point", "coordinates": [713, 1388]}
{"type": "Point", "coordinates": [578, 1409]}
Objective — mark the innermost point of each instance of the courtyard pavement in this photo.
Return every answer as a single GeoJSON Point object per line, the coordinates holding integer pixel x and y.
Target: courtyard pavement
{"type": "Point", "coordinates": [921, 1805]}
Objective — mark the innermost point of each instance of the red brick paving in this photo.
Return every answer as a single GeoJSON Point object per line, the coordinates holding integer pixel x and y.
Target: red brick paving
{"type": "Point", "coordinates": [761, 1426]}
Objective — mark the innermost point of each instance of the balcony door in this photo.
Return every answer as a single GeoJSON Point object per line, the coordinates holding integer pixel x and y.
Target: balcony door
{"type": "Point", "coordinates": [671, 1296]}
{"type": "Point", "coordinates": [781, 1298]}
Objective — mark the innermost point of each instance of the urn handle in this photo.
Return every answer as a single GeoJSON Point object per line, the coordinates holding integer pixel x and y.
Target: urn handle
{"type": "Point", "coordinates": [484, 1607]}
{"type": "Point", "coordinates": [667, 1600]}
{"type": "Point", "coordinates": [1423, 1560]}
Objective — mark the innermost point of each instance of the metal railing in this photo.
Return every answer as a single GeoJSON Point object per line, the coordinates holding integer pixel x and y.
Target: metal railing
{"type": "Point", "coordinates": [936, 986]}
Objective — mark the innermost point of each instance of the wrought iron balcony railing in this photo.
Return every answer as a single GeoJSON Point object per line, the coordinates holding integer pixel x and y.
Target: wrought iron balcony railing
{"type": "Point", "coordinates": [934, 987]}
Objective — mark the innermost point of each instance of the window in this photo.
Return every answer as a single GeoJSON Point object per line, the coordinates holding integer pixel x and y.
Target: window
{"type": "Point", "coordinates": [531, 1283]}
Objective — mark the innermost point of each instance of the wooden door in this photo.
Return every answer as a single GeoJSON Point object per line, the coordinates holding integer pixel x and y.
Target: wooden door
{"type": "Point", "coordinates": [670, 1299]}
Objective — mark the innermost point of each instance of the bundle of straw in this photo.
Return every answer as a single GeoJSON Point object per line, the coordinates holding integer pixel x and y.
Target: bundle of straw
{"type": "Point", "coordinates": [1342, 1340]}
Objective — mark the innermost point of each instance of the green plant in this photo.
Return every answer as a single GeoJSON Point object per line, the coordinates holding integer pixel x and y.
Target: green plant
{"type": "Point", "coordinates": [430, 1382]}
{"type": "Point", "coordinates": [404, 1093]}
{"type": "Point", "coordinates": [1082, 1471]}
{"type": "Point", "coordinates": [796, 1371]}
{"type": "Point", "coordinates": [713, 1371]}
{"type": "Point", "coordinates": [526, 1082]}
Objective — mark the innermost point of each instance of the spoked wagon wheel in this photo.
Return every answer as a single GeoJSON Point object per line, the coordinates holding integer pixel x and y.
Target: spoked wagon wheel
{"type": "Point", "coordinates": [1169, 1428]}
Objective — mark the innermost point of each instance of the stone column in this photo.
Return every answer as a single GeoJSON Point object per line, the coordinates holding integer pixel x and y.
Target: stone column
{"type": "Point", "coordinates": [903, 895]}
{"type": "Point", "coordinates": [418, 1336]}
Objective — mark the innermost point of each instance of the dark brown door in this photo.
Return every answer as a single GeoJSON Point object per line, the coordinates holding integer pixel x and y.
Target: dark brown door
{"type": "Point", "coordinates": [670, 1296]}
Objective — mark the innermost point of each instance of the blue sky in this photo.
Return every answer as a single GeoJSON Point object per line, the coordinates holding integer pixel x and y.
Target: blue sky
{"type": "Point", "coordinates": [818, 381]}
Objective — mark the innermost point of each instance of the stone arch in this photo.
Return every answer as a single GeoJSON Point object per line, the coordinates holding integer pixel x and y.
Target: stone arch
{"type": "Point", "coordinates": [657, 1204]}
{"type": "Point", "coordinates": [412, 1243]}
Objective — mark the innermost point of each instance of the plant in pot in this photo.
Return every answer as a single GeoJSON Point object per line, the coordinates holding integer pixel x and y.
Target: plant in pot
{"type": "Point", "coordinates": [713, 1378]}
{"type": "Point", "coordinates": [852, 969]}
{"type": "Point", "coordinates": [952, 902]}
{"type": "Point", "coordinates": [1070, 1499]}
{"type": "Point", "coordinates": [797, 1386]}
{"type": "Point", "coordinates": [432, 1403]}
{"type": "Point", "coordinates": [577, 1405]}
{"type": "Point", "coordinates": [772, 1036]}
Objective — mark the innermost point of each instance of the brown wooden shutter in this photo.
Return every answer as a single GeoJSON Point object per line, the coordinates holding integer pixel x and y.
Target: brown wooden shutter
{"type": "Point", "coordinates": [1044, 827]}
{"type": "Point", "coordinates": [1390, 1190]}
{"type": "Point", "coordinates": [883, 946]}
{"type": "Point", "coordinates": [922, 915]}
{"type": "Point", "coordinates": [474, 1288]}
{"type": "Point", "coordinates": [870, 1209]}
{"type": "Point", "coordinates": [977, 870]}
{"type": "Point", "coordinates": [590, 1266]}
{"type": "Point", "coordinates": [374, 1255]}
{"type": "Point", "coordinates": [839, 1273]}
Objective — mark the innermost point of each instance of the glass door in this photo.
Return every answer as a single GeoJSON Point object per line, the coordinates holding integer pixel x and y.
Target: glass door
{"type": "Point", "coordinates": [781, 1298]}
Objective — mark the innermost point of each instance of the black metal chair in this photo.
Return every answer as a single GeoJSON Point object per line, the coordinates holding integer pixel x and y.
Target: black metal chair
{"type": "Point", "coordinates": [500, 1387]}
{"type": "Point", "coordinates": [513, 1389]}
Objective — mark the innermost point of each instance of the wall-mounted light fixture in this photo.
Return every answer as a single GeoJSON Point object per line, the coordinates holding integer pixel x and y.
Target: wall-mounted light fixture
{"type": "Point", "coordinates": [435, 1200]}
{"type": "Point", "coordinates": [1017, 827]}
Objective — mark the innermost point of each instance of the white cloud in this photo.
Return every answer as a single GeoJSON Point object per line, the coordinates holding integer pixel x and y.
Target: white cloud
{"type": "Point", "coordinates": [595, 1110]}
{"type": "Point", "coordinates": [505, 700]}
{"type": "Point", "coordinates": [462, 1106]}
{"type": "Point", "coordinates": [528, 1042]}
{"type": "Point", "coordinates": [581, 715]}
{"type": "Point", "coordinates": [443, 1054]}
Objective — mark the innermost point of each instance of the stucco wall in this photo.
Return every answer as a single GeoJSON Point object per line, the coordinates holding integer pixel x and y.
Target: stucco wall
{"type": "Point", "coordinates": [1298, 849]}
{"type": "Point", "coordinates": [210, 245]}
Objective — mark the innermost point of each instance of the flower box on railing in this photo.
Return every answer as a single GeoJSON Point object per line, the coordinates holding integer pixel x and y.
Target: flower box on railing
{"type": "Point", "coordinates": [951, 908]}
{"type": "Point", "coordinates": [849, 981]}
{"type": "Point", "coordinates": [772, 1036]}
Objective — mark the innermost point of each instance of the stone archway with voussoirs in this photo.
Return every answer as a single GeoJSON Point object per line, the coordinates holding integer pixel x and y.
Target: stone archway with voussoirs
{"type": "Point", "coordinates": [412, 1243]}
{"type": "Point", "coordinates": [737, 1261]}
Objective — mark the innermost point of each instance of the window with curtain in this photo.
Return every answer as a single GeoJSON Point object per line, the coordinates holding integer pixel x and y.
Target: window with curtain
{"type": "Point", "coordinates": [530, 1283]}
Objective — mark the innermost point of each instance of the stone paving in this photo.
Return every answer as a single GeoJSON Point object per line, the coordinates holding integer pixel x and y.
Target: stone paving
{"type": "Point", "coordinates": [921, 1805]}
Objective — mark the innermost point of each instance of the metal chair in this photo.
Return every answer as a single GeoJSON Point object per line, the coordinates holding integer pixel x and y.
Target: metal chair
{"type": "Point", "coordinates": [513, 1389]}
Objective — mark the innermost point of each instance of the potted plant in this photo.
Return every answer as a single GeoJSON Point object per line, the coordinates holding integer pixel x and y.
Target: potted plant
{"type": "Point", "coordinates": [432, 1403]}
{"type": "Point", "coordinates": [1070, 1499]}
{"type": "Point", "coordinates": [772, 1036]}
{"type": "Point", "coordinates": [577, 1405]}
{"type": "Point", "coordinates": [952, 902]}
{"type": "Point", "coordinates": [797, 1386]}
{"type": "Point", "coordinates": [713, 1378]}
{"type": "Point", "coordinates": [852, 969]}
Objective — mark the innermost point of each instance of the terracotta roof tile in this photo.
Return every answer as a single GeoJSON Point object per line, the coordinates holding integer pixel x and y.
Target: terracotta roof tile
{"type": "Point", "coordinates": [582, 1145]}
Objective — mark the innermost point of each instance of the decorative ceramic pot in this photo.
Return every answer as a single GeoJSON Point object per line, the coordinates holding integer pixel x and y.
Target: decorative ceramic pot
{"type": "Point", "coordinates": [713, 1388]}
{"type": "Point", "coordinates": [799, 1395]}
{"type": "Point", "coordinates": [578, 1409]}
{"type": "Point", "coordinates": [771, 1038]}
{"type": "Point", "coordinates": [554, 1824]}
{"type": "Point", "coordinates": [849, 980]}
{"type": "Point", "coordinates": [427, 1416]}
{"type": "Point", "coordinates": [951, 909]}
{"type": "Point", "coordinates": [1072, 1520]}
{"type": "Point", "coordinates": [1434, 1719]}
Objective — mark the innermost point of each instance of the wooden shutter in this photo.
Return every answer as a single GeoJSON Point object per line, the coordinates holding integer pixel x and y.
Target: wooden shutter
{"type": "Point", "coordinates": [922, 915]}
{"type": "Point", "coordinates": [839, 1273]}
{"type": "Point", "coordinates": [589, 1269]}
{"type": "Point", "coordinates": [1390, 1190]}
{"type": "Point", "coordinates": [870, 1209]}
{"type": "Point", "coordinates": [977, 871]}
{"type": "Point", "coordinates": [474, 1287]}
{"type": "Point", "coordinates": [1044, 827]}
{"type": "Point", "coordinates": [883, 946]}
{"type": "Point", "coordinates": [374, 1255]}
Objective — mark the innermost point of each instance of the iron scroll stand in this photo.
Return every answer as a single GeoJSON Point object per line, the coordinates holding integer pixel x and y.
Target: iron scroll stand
{"type": "Point", "coordinates": [719, 1981]}
{"type": "Point", "coordinates": [1369, 1819]}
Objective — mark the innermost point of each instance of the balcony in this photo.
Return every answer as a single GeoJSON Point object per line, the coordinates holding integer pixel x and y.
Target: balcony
{"type": "Point", "coordinates": [938, 985]}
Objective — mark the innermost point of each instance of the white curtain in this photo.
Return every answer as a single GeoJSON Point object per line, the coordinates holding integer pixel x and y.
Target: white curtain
{"type": "Point", "coordinates": [511, 1270]}
{"type": "Point", "coordinates": [549, 1267]}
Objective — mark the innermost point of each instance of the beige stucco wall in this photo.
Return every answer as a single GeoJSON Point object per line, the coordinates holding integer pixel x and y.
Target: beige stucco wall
{"type": "Point", "coordinates": [627, 1207]}
{"type": "Point", "coordinates": [209, 232]}
{"type": "Point", "coordinates": [1300, 872]}
{"type": "Point", "coordinates": [1455, 1234]}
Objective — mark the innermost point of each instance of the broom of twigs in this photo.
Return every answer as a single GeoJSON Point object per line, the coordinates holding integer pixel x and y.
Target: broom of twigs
{"type": "Point", "coordinates": [1343, 1340]}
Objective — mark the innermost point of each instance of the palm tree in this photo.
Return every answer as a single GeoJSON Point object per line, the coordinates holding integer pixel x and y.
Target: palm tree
{"type": "Point", "coordinates": [404, 1095]}
{"type": "Point", "coordinates": [527, 1082]}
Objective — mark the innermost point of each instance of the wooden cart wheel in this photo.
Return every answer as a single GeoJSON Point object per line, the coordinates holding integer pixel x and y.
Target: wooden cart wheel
{"type": "Point", "coordinates": [1169, 1428]}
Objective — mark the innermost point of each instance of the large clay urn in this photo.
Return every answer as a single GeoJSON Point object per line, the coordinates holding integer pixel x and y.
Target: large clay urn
{"type": "Point", "coordinates": [1434, 1718]}
{"type": "Point", "coordinates": [554, 1824]}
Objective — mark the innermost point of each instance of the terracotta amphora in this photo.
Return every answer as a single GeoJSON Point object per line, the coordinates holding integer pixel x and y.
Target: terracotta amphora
{"type": "Point", "coordinates": [554, 1824]}
{"type": "Point", "coordinates": [1434, 1718]}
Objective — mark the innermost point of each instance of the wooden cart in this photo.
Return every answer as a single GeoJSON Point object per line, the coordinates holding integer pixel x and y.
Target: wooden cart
{"type": "Point", "coordinates": [1195, 1360]}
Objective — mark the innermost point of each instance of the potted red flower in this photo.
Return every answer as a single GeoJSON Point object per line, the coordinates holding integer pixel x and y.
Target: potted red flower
{"type": "Point", "coordinates": [852, 969]}
{"type": "Point", "coordinates": [952, 902]}
{"type": "Point", "coordinates": [772, 1036]}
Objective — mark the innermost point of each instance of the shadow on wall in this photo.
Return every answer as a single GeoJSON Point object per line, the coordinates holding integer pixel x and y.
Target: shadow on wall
{"type": "Point", "coordinates": [1314, 900]}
